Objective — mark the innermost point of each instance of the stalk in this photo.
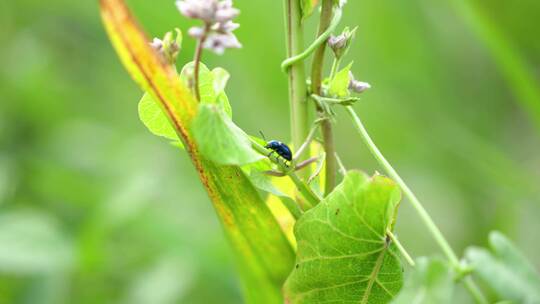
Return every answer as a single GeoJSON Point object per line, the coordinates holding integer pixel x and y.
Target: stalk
{"type": "Point", "coordinates": [197, 62]}
{"type": "Point", "coordinates": [424, 216]}
{"type": "Point", "coordinates": [316, 81]}
{"type": "Point", "coordinates": [297, 77]}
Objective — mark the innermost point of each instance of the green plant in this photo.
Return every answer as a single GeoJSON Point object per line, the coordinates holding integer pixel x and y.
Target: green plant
{"type": "Point", "coordinates": [346, 250]}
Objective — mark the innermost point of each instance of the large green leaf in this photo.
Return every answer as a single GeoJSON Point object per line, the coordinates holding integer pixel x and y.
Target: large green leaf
{"type": "Point", "coordinates": [220, 140]}
{"type": "Point", "coordinates": [263, 254]}
{"type": "Point", "coordinates": [431, 281]}
{"type": "Point", "coordinates": [343, 253]}
{"type": "Point", "coordinates": [505, 270]}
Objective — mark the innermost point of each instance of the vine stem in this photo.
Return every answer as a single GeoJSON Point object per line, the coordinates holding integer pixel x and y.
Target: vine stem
{"type": "Point", "coordinates": [327, 8]}
{"type": "Point", "coordinates": [322, 38]}
{"type": "Point", "coordinates": [297, 77]}
{"type": "Point", "coordinates": [400, 247]}
{"type": "Point", "coordinates": [426, 218]}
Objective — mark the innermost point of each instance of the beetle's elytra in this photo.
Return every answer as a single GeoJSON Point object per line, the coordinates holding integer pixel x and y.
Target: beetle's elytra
{"type": "Point", "coordinates": [280, 148]}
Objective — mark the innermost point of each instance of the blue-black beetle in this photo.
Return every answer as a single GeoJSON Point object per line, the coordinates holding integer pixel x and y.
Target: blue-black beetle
{"type": "Point", "coordinates": [280, 148]}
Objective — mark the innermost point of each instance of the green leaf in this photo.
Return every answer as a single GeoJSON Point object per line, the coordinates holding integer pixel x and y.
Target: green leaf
{"type": "Point", "coordinates": [431, 281]}
{"type": "Point", "coordinates": [220, 140]}
{"type": "Point", "coordinates": [339, 85]}
{"type": "Point", "coordinates": [263, 182]}
{"type": "Point", "coordinates": [263, 255]}
{"type": "Point", "coordinates": [211, 85]}
{"type": "Point", "coordinates": [308, 6]}
{"type": "Point", "coordinates": [153, 118]}
{"type": "Point", "coordinates": [343, 252]}
{"type": "Point", "coordinates": [506, 270]}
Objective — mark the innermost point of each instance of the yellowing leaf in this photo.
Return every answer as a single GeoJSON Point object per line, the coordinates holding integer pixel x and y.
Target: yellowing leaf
{"type": "Point", "coordinates": [264, 256]}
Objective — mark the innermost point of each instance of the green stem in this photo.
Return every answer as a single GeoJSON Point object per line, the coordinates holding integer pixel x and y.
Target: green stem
{"type": "Point", "coordinates": [342, 169]}
{"type": "Point", "coordinates": [400, 248]}
{"type": "Point", "coordinates": [327, 8]}
{"type": "Point", "coordinates": [297, 78]}
{"type": "Point", "coordinates": [311, 198]}
{"type": "Point", "coordinates": [312, 47]}
{"type": "Point", "coordinates": [426, 218]}
{"type": "Point", "coordinates": [307, 142]}
{"type": "Point", "coordinates": [335, 68]}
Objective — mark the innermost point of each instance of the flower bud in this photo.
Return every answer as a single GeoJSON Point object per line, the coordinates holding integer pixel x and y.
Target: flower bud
{"type": "Point", "coordinates": [358, 86]}
{"type": "Point", "coordinates": [169, 47]}
{"type": "Point", "coordinates": [340, 44]}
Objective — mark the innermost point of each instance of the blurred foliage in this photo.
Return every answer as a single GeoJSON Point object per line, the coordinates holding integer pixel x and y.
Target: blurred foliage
{"type": "Point", "coordinates": [94, 209]}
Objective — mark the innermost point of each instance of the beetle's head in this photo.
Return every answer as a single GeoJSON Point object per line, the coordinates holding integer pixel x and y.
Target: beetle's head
{"type": "Point", "coordinates": [273, 144]}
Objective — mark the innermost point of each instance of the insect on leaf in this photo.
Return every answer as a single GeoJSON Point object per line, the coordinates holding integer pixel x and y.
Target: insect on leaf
{"type": "Point", "coordinates": [343, 253]}
{"type": "Point", "coordinates": [262, 253]}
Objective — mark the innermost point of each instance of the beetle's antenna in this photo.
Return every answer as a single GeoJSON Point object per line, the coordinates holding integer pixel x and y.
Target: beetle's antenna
{"type": "Point", "coordinates": [262, 134]}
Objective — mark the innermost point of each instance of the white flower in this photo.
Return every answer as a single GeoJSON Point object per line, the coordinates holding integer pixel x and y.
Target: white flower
{"type": "Point", "coordinates": [218, 42]}
{"type": "Point", "coordinates": [217, 15]}
{"type": "Point", "coordinates": [358, 86]}
{"type": "Point", "coordinates": [196, 32]}
{"type": "Point", "coordinates": [156, 44]}
{"type": "Point", "coordinates": [198, 9]}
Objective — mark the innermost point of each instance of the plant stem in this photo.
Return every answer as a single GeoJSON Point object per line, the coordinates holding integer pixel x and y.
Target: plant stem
{"type": "Point", "coordinates": [197, 62]}
{"type": "Point", "coordinates": [321, 39]}
{"type": "Point", "coordinates": [306, 143]}
{"type": "Point", "coordinates": [316, 82]}
{"type": "Point", "coordinates": [342, 169]}
{"type": "Point", "coordinates": [297, 77]}
{"type": "Point", "coordinates": [426, 218]}
{"type": "Point", "coordinates": [311, 198]}
{"type": "Point", "coordinates": [335, 67]}
{"type": "Point", "coordinates": [400, 248]}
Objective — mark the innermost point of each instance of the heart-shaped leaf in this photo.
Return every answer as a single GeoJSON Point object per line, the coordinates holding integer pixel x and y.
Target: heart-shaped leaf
{"type": "Point", "coordinates": [343, 253]}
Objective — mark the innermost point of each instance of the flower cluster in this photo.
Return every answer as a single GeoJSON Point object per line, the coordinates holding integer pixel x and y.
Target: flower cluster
{"type": "Point", "coordinates": [356, 85]}
{"type": "Point", "coordinates": [217, 32]}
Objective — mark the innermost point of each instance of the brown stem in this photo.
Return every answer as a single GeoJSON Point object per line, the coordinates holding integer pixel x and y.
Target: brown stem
{"type": "Point", "coordinates": [316, 81]}
{"type": "Point", "coordinates": [197, 62]}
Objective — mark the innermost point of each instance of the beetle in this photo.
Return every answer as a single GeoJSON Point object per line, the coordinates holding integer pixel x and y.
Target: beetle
{"type": "Point", "coordinates": [280, 148]}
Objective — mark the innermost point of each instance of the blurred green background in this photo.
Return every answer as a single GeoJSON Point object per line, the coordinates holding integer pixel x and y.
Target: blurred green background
{"type": "Point", "coordinates": [94, 209]}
